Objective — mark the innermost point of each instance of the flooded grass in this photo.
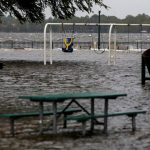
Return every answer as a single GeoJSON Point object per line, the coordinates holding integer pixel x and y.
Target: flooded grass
{"type": "Point", "coordinates": [85, 72]}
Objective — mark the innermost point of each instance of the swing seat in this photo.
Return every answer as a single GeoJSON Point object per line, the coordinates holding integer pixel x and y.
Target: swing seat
{"type": "Point", "coordinates": [68, 45]}
{"type": "Point", "coordinates": [67, 50]}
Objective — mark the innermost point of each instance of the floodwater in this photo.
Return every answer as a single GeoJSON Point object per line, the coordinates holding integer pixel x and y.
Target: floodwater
{"type": "Point", "coordinates": [25, 74]}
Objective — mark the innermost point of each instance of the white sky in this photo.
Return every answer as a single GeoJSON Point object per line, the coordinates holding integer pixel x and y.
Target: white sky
{"type": "Point", "coordinates": [121, 8]}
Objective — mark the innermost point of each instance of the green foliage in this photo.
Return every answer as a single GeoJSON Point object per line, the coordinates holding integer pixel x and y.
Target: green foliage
{"type": "Point", "coordinates": [23, 10]}
{"type": "Point", "coordinates": [33, 10]}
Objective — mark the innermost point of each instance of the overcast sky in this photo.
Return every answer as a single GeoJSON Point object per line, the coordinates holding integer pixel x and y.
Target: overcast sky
{"type": "Point", "coordinates": [121, 8]}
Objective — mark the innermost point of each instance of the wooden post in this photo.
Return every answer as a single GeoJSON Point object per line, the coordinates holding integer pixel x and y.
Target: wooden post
{"type": "Point", "coordinates": [12, 130]}
{"type": "Point", "coordinates": [133, 123]}
{"type": "Point", "coordinates": [84, 128]}
{"type": "Point", "coordinates": [54, 117]}
{"type": "Point", "coordinates": [41, 117]}
{"type": "Point", "coordinates": [92, 114]}
{"type": "Point", "coordinates": [143, 71]}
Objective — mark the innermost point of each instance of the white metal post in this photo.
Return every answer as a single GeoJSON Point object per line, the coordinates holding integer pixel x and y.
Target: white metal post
{"type": "Point", "coordinates": [44, 53]}
{"type": "Point", "coordinates": [51, 47]}
{"type": "Point", "coordinates": [109, 57]}
{"type": "Point", "coordinates": [115, 42]}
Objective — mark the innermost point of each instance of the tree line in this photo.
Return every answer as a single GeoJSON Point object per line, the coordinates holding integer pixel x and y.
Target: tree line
{"type": "Point", "coordinates": [10, 24]}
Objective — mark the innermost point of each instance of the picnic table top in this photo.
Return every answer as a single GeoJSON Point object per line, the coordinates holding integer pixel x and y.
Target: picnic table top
{"type": "Point", "coordinates": [60, 97]}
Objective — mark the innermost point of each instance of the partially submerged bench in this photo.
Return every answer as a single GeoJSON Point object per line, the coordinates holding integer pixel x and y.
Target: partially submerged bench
{"type": "Point", "coordinates": [84, 118]}
{"type": "Point", "coordinates": [14, 116]}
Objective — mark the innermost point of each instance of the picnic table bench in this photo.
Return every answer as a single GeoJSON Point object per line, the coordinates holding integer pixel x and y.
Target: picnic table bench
{"type": "Point", "coordinates": [83, 118]}
{"type": "Point", "coordinates": [14, 116]}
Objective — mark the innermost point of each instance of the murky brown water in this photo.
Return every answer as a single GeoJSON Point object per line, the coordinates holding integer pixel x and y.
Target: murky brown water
{"type": "Point", "coordinates": [80, 71]}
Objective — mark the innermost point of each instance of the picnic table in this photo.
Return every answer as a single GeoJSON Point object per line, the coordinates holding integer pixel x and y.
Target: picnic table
{"type": "Point", "coordinates": [75, 97]}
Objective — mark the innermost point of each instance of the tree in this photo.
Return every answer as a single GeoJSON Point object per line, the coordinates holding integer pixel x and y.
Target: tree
{"type": "Point", "coordinates": [33, 10]}
{"type": "Point", "coordinates": [23, 10]}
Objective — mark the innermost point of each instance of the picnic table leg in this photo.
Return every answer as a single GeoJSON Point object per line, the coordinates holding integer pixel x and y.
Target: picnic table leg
{"type": "Point", "coordinates": [41, 117]}
{"type": "Point", "coordinates": [89, 113]}
{"type": "Point", "coordinates": [54, 117]}
{"type": "Point", "coordinates": [133, 123]}
{"type": "Point", "coordinates": [12, 130]}
{"type": "Point", "coordinates": [92, 114]}
{"type": "Point", "coordinates": [105, 115]}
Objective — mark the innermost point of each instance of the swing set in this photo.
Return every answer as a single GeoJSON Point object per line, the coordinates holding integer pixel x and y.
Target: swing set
{"type": "Point", "coordinates": [68, 41]}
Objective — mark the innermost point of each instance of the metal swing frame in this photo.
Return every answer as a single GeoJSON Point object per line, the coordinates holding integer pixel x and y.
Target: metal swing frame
{"type": "Point", "coordinates": [112, 52]}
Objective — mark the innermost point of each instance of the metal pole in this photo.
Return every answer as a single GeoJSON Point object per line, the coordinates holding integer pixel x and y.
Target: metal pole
{"type": "Point", "coordinates": [105, 115]}
{"type": "Point", "coordinates": [110, 30]}
{"type": "Point", "coordinates": [128, 36]}
{"type": "Point", "coordinates": [105, 24]}
{"type": "Point", "coordinates": [44, 53]}
{"type": "Point", "coordinates": [115, 45]}
{"type": "Point", "coordinates": [92, 114]}
{"type": "Point", "coordinates": [51, 47]}
{"type": "Point", "coordinates": [54, 117]}
{"type": "Point", "coordinates": [99, 30]}
{"type": "Point", "coordinates": [41, 116]}
{"type": "Point", "coordinates": [141, 28]}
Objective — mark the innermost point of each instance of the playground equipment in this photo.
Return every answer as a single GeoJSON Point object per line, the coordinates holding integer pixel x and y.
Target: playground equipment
{"type": "Point", "coordinates": [112, 50]}
{"type": "Point", "coordinates": [68, 41]}
{"type": "Point", "coordinates": [112, 38]}
{"type": "Point", "coordinates": [68, 44]}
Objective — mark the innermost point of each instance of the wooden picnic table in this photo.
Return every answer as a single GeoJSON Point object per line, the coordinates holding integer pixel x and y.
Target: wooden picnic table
{"type": "Point", "coordinates": [74, 97]}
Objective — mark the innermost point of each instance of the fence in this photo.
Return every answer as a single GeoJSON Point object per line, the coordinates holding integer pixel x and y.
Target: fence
{"type": "Point", "coordinates": [21, 44]}
{"type": "Point", "coordinates": [80, 45]}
